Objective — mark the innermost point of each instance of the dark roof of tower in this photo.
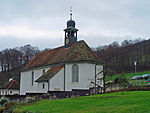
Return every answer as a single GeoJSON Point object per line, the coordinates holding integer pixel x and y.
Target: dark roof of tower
{"type": "Point", "coordinates": [78, 52]}
{"type": "Point", "coordinates": [70, 23]}
{"type": "Point", "coordinates": [13, 84]}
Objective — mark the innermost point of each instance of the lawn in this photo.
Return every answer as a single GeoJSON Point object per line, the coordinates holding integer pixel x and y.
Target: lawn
{"type": "Point", "coordinates": [131, 102]}
{"type": "Point", "coordinates": [127, 75]}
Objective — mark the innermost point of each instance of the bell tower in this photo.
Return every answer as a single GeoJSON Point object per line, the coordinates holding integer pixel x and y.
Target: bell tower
{"type": "Point", "coordinates": [70, 32]}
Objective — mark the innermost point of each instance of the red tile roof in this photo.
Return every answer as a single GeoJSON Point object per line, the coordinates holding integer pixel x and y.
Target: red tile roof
{"type": "Point", "coordinates": [50, 73]}
{"type": "Point", "coordinates": [13, 84]}
{"type": "Point", "coordinates": [79, 51]}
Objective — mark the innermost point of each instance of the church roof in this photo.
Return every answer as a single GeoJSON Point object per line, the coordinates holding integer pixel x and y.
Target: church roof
{"type": "Point", "coordinates": [79, 51]}
{"type": "Point", "coordinates": [13, 84]}
{"type": "Point", "coordinates": [50, 73]}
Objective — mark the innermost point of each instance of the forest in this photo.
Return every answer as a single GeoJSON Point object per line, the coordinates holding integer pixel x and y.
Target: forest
{"type": "Point", "coordinates": [13, 60]}
{"type": "Point", "coordinates": [121, 58]}
{"type": "Point", "coordinates": [118, 57]}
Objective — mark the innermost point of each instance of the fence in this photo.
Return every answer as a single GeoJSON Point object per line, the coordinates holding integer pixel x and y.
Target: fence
{"type": "Point", "coordinates": [68, 94]}
{"type": "Point", "coordinates": [30, 97]}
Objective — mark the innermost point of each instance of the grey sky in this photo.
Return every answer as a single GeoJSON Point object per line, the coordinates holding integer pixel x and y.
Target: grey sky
{"type": "Point", "coordinates": [41, 22]}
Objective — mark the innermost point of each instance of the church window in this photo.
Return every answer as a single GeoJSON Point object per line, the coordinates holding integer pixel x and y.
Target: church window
{"type": "Point", "coordinates": [75, 73]}
{"type": "Point", "coordinates": [32, 78]}
{"type": "Point", "coordinates": [43, 85]}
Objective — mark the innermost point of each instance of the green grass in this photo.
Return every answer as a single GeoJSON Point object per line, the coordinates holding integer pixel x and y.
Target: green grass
{"type": "Point", "coordinates": [131, 102]}
{"type": "Point", "coordinates": [127, 75]}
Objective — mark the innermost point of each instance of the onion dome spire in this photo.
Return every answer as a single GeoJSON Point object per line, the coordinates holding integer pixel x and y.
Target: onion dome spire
{"type": "Point", "coordinates": [70, 32]}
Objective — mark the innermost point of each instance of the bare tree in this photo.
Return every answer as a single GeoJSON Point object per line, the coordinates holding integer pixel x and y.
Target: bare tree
{"type": "Point", "coordinates": [16, 57]}
{"type": "Point", "coordinates": [28, 52]}
{"type": "Point", "coordinates": [100, 82]}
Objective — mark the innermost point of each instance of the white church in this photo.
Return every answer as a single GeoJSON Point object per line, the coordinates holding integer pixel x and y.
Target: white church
{"type": "Point", "coordinates": [73, 66]}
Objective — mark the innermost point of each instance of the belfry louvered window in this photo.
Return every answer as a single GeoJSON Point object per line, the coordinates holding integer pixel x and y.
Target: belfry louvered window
{"type": "Point", "coordinates": [75, 73]}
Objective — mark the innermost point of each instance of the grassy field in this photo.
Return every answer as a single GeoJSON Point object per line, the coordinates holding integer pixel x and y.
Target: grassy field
{"type": "Point", "coordinates": [127, 75]}
{"type": "Point", "coordinates": [131, 102]}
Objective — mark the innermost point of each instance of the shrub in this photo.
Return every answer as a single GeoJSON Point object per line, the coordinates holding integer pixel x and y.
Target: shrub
{"type": "Point", "coordinates": [122, 81]}
{"type": "Point", "coordinates": [1, 109]}
{"type": "Point", "coordinates": [10, 106]}
{"type": "Point", "coordinates": [3, 101]}
{"type": "Point", "coordinates": [20, 111]}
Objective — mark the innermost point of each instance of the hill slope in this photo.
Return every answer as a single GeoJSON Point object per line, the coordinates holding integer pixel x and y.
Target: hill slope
{"type": "Point", "coordinates": [122, 59]}
{"type": "Point", "coordinates": [131, 102]}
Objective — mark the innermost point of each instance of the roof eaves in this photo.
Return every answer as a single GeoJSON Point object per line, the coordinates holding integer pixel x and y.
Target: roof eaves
{"type": "Point", "coordinates": [68, 62]}
{"type": "Point", "coordinates": [49, 74]}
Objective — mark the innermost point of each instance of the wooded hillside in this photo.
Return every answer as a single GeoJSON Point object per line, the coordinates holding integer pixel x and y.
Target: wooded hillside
{"type": "Point", "coordinates": [122, 58]}
{"type": "Point", "coordinates": [13, 60]}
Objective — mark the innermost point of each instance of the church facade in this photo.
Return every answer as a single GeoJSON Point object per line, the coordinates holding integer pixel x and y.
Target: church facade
{"type": "Point", "coordinates": [73, 66]}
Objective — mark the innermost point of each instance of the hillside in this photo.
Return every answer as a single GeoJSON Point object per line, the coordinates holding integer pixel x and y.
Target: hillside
{"type": "Point", "coordinates": [127, 75]}
{"type": "Point", "coordinates": [122, 58]}
{"type": "Point", "coordinates": [131, 102]}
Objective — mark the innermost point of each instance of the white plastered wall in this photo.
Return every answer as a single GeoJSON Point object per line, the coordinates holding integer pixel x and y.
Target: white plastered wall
{"type": "Point", "coordinates": [26, 82]}
{"type": "Point", "coordinates": [86, 75]}
{"type": "Point", "coordinates": [56, 83]}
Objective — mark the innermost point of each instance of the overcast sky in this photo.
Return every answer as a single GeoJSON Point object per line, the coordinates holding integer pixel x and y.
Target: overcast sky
{"type": "Point", "coordinates": [41, 22]}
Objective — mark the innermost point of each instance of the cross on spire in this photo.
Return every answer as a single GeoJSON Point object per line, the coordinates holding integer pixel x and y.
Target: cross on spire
{"type": "Point", "coordinates": [70, 13]}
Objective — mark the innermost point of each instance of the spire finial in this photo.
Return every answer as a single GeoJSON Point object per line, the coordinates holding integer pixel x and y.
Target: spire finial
{"type": "Point", "coordinates": [70, 13]}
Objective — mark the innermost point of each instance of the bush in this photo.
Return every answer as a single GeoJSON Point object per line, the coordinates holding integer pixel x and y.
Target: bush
{"type": "Point", "coordinates": [26, 111]}
{"type": "Point", "coordinates": [10, 106]}
{"type": "Point", "coordinates": [122, 81]}
{"type": "Point", "coordinates": [3, 101]}
{"type": "Point", "coordinates": [1, 109]}
{"type": "Point", "coordinates": [19, 111]}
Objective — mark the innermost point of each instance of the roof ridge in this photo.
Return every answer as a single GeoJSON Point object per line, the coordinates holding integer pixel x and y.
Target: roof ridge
{"type": "Point", "coordinates": [11, 84]}
{"type": "Point", "coordinates": [16, 82]}
{"type": "Point", "coordinates": [85, 50]}
{"type": "Point", "coordinates": [93, 53]}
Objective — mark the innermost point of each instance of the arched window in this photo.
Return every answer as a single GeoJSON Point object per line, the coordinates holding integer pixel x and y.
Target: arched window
{"type": "Point", "coordinates": [75, 73]}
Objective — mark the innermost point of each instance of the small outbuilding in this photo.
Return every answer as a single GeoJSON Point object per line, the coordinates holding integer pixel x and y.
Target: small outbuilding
{"type": "Point", "coordinates": [10, 87]}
